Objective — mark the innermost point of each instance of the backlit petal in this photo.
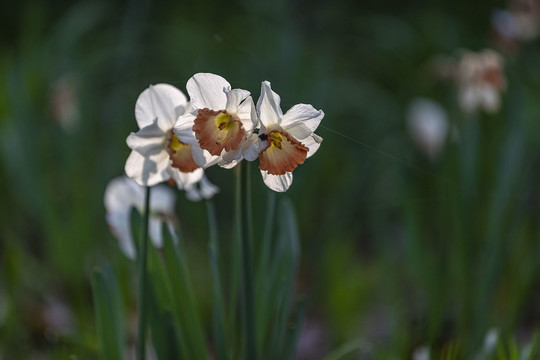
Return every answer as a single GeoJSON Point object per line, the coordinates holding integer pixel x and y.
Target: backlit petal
{"type": "Point", "coordinates": [279, 183]}
{"type": "Point", "coordinates": [234, 99]}
{"type": "Point", "coordinates": [303, 114]}
{"type": "Point", "coordinates": [247, 114]}
{"type": "Point", "coordinates": [150, 170]}
{"type": "Point", "coordinates": [147, 140]}
{"type": "Point", "coordinates": [159, 103]}
{"type": "Point", "coordinates": [268, 105]}
{"type": "Point", "coordinates": [203, 158]}
{"type": "Point", "coordinates": [313, 143]}
{"type": "Point", "coordinates": [206, 91]}
{"type": "Point", "coordinates": [184, 129]}
{"type": "Point", "coordinates": [183, 180]}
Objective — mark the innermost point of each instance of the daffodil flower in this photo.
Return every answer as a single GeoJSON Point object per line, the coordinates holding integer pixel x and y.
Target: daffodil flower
{"type": "Point", "coordinates": [481, 79]}
{"type": "Point", "coordinates": [220, 126]}
{"type": "Point", "coordinates": [121, 195]}
{"type": "Point", "coordinates": [158, 155]}
{"type": "Point", "coordinates": [285, 140]}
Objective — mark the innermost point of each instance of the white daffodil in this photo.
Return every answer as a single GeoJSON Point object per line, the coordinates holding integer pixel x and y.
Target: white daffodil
{"type": "Point", "coordinates": [221, 123]}
{"type": "Point", "coordinates": [427, 123]}
{"type": "Point", "coordinates": [480, 79]}
{"type": "Point", "coordinates": [158, 155]}
{"type": "Point", "coordinates": [285, 140]}
{"type": "Point", "coordinates": [123, 194]}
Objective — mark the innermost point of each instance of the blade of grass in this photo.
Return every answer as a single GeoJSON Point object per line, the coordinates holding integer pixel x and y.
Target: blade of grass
{"type": "Point", "coordinates": [183, 303]}
{"type": "Point", "coordinates": [109, 313]}
{"type": "Point", "coordinates": [250, 345]}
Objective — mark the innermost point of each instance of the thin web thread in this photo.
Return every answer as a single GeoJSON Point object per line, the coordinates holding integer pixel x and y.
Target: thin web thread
{"type": "Point", "coordinates": [383, 153]}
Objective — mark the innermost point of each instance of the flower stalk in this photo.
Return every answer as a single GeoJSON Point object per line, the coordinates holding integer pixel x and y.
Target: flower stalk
{"type": "Point", "coordinates": [143, 249]}
{"type": "Point", "coordinates": [250, 345]}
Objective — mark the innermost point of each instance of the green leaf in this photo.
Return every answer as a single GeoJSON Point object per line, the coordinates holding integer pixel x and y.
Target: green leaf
{"type": "Point", "coordinates": [109, 313]}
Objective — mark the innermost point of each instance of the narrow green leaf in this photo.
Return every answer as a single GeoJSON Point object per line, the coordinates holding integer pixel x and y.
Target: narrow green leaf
{"type": "Point", "coordinates": [183, 303]}
{"type": "Point", "coordinates": [109, 313]}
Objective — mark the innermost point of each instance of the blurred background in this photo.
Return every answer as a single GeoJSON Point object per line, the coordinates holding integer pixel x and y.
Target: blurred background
{"type": "Point", "coordinates": [404, 245]}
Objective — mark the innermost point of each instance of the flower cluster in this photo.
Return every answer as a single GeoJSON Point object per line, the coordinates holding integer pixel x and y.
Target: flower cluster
{"type": "Point", "coordinates": [218, 126]}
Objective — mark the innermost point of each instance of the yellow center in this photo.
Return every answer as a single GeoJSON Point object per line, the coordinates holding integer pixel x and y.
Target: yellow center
{"type": "Point", "coordinates": [277, 138]}
{"type": "Point", "coordinates": [223, 121]}
{"type": "Point", "coordinates": [175, 143]}
{"type": "Point", "coordinates": [180, 154]}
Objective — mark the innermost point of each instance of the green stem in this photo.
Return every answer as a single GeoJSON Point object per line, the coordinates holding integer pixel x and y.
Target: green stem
{"type": "Point", "coordinates": [250, 350]}
{"type": "Point", "coordinates": [143, 249]}
{"type": "Point", "coordinates": [218, 318]}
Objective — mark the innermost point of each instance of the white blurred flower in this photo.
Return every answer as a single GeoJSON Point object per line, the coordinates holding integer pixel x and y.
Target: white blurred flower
{"type": "Point", "coordinates": [158, 155]}
{"type": "Point", "coordinates": [123, 194]}
{"type": "Point", "coordinates": [422, 353]}
{"type": "Point", "coordinates": [520, 22]}
{"type": "Point", "coordinates": [64, 103]}
{"type": "Point", "coordinates": [285, 140]}
{"type": "Point", "coordinates": [480, 79]}
{"type": "Point", "coordinates": [427, 123]}
{"type": "Point", "coordinates": [220, 123]}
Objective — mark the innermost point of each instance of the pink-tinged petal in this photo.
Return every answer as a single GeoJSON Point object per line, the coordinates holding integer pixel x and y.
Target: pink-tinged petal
{"type": "Point", "coordinates": [207, 91]}
{"type": "Point", "coordinates": [313, 143]}
{"type": "Point", "coordinates": [300, 117]}
{"type": "Point", "coordinates": [184, 129]}
{"type": "Point", "coordinates": [268, 106]}
{"type": "Point", "coordinates": [279, 183]}
{"type": "Point", "coordinates": [160, 104]}
{"type": "Point", "coordinates": [218, 131]}
{"type": "Point", "coordinates": [282, 154]}
{"type": "Point", "coordinates": [148, 170]}
{"type": "Point", "coordinates": [234, 99]}
{"type": "Point", "coordinates": [247, 114]}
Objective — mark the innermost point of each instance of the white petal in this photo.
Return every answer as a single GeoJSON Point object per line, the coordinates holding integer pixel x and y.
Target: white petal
{"type": "Point", "coordinates": [192, 193]}
{"type": "Point", "coordinates": [235, 98]}
{"type": "Point", "coordinates": [229, 164]}
{"type": "Point", "coordinates": [279, 183]}
{"type": "Point", "coordinates": [268, 105]}
{"type": "Point", "coordinates": [313, 143]}
{"type": "Point", "coordinates": [203, 158]}
{"type": "Point", "coordinates": [154, 230]}
{"type": "Point", "coordinates": [162, 199]}
{"type": "Point", "coordinates": [302, 114]}
{"type": "Point", "coordinates": [159, 103]}
{"type": "Point", "coordinates": [148, 170]}
{"type": "Point", "coordinates": [204, 189]}
{"type": "Point", "coordinates": [207, 91]}
{"type": "Point", "coordinates": [250, 149]}
{"type": "Point", "coordinates": [208, 190]}
{"type": "Point", "coordinates": [149, 139]}
{"type": "Point", "coordinates": [247, 114]}
{"type": "Point", "coordinates": [184, 129]}
{"type": "Point", "coordinates": [489, 97]}
{"type": "Point", "coordinates": [121, 229]}
{"type": "Point", "coordinates": [183, 179]}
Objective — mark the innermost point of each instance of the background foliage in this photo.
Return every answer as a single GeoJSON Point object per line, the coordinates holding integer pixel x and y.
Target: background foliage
{"type": "Point", "coordinates": [397, 251]}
